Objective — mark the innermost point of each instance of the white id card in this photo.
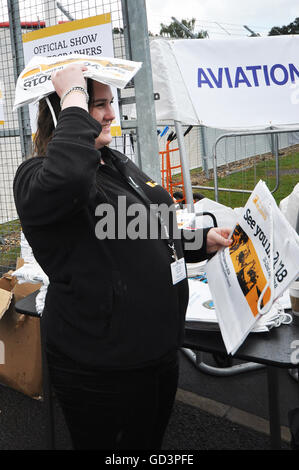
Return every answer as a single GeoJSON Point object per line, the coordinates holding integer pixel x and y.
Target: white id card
{"type": "Point", "coordinates": [178, 270]}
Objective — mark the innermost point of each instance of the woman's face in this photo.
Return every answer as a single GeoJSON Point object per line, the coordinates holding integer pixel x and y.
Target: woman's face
{"type": "Point", "coordinates": [101, 109]}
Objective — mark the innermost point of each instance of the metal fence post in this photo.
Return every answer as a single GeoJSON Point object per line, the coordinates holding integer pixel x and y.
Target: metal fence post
{"type": "Point", "coordinates": [18, 65]}
{"type": "Point", "coordinates": [205, 158]}
{"type": "Point", "coordinates": [137, 43]}
{"type": "Point", "coordinates": [185, 166]}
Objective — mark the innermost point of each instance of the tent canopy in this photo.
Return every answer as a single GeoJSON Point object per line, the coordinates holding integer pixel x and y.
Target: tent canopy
{"type": "Point", "coordinates": [236, 84]}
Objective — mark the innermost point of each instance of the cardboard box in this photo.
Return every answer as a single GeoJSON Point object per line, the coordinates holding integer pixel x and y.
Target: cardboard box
{"type": "Point", "coordinates": [20, 343]}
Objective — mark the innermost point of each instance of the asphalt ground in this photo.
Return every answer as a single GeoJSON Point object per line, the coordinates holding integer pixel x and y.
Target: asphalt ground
{"type": "Point", "coordinates": [246, 391]}
{"type": "Point", "coordinates": [211, 413]}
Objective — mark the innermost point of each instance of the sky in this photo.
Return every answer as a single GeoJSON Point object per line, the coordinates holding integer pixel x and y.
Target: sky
{"type": "Point", "coordinates": [224, 18]}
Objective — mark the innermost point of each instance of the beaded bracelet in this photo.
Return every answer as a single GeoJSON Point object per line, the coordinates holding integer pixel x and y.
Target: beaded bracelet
{"type": "Point", "coordinates": [74, 88]}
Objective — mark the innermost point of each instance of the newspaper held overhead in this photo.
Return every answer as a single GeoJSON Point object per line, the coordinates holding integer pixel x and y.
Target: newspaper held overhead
{"type": "Point", "coordinates": [262, 261]}
{"type": "Point", "coordinates": [34, 82]}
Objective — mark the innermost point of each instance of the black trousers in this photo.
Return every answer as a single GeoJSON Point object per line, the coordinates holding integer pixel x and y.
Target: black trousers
{"type": "Point", "coordinates": [123, 409]}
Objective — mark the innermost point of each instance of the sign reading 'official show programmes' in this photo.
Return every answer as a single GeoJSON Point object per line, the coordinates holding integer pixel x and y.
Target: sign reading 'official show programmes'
{"type": "Point", "coordinates": [90, 38]}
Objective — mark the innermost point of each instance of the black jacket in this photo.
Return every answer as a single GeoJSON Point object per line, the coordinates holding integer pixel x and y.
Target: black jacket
{"type": "Point", "coordinates": [110, 303]}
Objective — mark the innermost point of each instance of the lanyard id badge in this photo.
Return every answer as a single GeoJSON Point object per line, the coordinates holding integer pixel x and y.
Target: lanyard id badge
{"type": "Point", "coordinates": [178, 267]}
{"type": "Point", "coordinates": [178, 270]}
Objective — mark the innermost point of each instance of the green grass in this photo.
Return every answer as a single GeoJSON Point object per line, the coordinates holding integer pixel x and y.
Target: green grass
{"type": "Point", "coordinates": [247, 179]}
{"type": "Point", "coordinates": [9, 227]}
{"type": "Point", "coordinates": [8, 259]}
{"type": "Point", "coordinates": [9, 254]}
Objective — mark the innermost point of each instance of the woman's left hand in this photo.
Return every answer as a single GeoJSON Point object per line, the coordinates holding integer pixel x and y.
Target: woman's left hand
{"type": "Point", "coordinates": [218, 238]}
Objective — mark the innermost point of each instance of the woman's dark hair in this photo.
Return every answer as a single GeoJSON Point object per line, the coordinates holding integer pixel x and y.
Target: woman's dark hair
{"type": "Point", "coordinates": [45, 124]}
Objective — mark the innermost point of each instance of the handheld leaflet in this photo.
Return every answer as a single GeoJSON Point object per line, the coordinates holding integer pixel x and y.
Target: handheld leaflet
{"type": "Point", "coordinates": [260, 264]}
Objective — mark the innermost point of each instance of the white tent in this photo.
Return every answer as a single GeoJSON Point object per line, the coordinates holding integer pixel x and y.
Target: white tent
{"type": "Point", "coordinates": [248, 83]}
{"type": "Point", "coordinates": [174, 103]}
{"type": "Point", "coordinates": [241, 84]}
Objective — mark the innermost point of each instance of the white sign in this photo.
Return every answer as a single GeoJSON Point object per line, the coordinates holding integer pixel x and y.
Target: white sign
{"type": "Point", "coordinates": [90, 36]}
{"type": "Point", "coordinates": [241, 83]}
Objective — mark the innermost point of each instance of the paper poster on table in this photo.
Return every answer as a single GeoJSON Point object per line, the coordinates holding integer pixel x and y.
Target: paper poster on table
{"type": "Point", "coordinates": [90, 36]}
{"type": "Point", "coordinates": [260, 264]}
{"type": "Point", "coordinates": [1, 107]}
{"type": "Point", "coordinates": [241, 83]}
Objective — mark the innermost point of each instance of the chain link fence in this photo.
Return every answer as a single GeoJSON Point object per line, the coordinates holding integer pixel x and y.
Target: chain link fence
{"type": "Point", "coordinates": [16, 19]}
{"type": "Point", "coordinates": [10, 149]}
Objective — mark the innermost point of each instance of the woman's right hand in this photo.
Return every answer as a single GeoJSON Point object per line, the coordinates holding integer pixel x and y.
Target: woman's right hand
{"type": "Point", "coordinates": [70, 76]}
{"type": "Point", "coordinates": [64, 79]}
{"type": "Point", "coordinates": [218, 238]}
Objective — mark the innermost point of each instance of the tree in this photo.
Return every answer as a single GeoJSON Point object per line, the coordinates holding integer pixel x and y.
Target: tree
{"type": "Point", "coordinates": [174, 30]}
{"type": "Point", "coordinates": [292, 28]}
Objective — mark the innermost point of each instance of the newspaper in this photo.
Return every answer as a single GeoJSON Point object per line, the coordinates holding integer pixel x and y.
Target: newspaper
{"type": "Point", "coordinates": [34, 82]}
{"type": "Point", "coordinates": [262, 261]}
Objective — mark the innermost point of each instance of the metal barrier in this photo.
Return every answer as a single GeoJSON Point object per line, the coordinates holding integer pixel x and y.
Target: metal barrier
{"type": "Point", "coordinates": [231, 153]}
{"type": "Point", "coordinates": [273, 133]}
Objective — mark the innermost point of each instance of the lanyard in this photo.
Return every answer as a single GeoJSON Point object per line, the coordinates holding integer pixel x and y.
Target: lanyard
{"type": "Point", "coordinates": [121, 167]}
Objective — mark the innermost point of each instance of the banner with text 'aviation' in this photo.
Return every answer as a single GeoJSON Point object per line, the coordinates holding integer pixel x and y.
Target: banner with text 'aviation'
{"type": "Point", "coordinates": [242, 83]}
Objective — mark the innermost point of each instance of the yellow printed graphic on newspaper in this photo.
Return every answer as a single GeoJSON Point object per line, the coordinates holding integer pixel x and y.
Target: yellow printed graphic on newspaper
{"type": "Point", "coordinates": [248, 269]}
{"type": "Point", "coordinates": [46, 67]}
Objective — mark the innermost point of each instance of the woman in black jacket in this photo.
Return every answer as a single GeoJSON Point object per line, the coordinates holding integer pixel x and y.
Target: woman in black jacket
{"type": "Point", "coordinates": [117, 297]}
